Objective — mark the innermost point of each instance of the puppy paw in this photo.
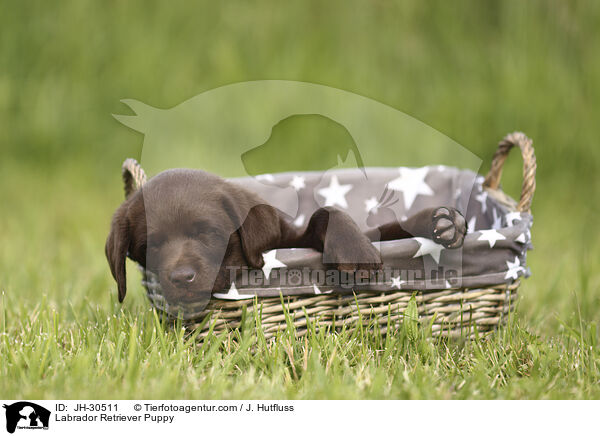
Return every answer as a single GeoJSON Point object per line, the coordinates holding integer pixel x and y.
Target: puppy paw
{"type": "Point", "coordinates": [449, 227]}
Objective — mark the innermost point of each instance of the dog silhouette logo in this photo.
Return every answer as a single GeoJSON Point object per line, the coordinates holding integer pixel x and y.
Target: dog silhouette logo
{"type": "Point", "coordinates": [26, 415]}
{"type": "Point", "coordinates": [333, 135]}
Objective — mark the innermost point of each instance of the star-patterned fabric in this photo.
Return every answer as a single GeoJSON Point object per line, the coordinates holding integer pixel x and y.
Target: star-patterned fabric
{"type": "Point", "coordinates": [494, 251]}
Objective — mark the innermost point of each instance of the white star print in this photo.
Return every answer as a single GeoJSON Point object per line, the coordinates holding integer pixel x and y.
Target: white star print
{"type": "Point", "coordinates": [298, 183]}
{"type": "Point", "coordinates": [427, 246]}
{"type": "Point", "coordinates": [397, 282]}
{"type": "Point", "coordinates": [318, 291]}
{"type": "Point", "coordinates": [491, 236]}
{"type": "Point", "coordinates": [482, 199]}
{"type": "Point", "coordinates": [471, 225]}
{"type": "Point", "coordinates": [371, 205]}
{"type": "Point", "coordinates": [233, 294]}
{"type": "Point", "coordinates": [299, 221]}
{"type": "Point", "coordinates": [513, 269]}
{"type": "Point", "coordinates": [511, 217]}
{"type": "Point", "coordinates": [497, 220]}
{"type": "Point", "coordinates": [521, 238]}
{"type": "Point", "coordinates": [335, 193]}
{"type": "Point", "coordinates": [411, 183]}
{"type": "Point", "coordinates": [271, 262]}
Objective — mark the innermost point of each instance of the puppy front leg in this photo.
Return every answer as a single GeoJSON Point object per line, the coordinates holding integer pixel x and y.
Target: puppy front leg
{"type": "Point", "coordinates": [343, 245]}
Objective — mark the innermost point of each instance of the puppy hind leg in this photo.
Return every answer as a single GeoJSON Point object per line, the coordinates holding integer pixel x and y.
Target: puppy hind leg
{"type": "Point", "coordinates": [445, 225]}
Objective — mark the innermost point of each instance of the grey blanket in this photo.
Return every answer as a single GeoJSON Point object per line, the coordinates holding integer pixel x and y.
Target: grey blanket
{"type": "Point", "coordinates": [494, 251]}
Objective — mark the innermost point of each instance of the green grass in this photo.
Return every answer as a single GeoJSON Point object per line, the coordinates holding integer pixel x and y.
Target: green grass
{"type": "Point", "coordinates": [88, 352]}
{"type": "Point", "coordinates": [472, 70]}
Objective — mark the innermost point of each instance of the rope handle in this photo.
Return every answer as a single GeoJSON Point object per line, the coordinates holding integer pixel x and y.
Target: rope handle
{"type": "Point", "coordinates": [133, 176]}
{"type": "Point", "coordinates": [492, 180]}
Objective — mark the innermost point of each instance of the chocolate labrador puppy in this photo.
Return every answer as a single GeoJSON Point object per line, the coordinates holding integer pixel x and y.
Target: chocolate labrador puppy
{"type": "Point", "coordinates": [189, 226]}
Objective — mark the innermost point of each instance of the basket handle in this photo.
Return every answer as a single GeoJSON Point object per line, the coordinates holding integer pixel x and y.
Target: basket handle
{"type": "Point", "coordinates": [133, 176]}
{"type": "Point", "coordinates": [492, 180]}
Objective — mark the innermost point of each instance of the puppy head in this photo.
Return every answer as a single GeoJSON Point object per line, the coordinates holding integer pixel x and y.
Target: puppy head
{"type": "Point", "coordinates": [189, 227]}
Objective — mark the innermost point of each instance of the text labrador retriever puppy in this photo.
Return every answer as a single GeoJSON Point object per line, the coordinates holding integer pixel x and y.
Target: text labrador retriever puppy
{"type": "Point", "coordinates": [189, 226]}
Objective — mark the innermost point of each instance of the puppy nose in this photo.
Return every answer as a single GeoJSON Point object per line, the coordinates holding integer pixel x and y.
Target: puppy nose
{"type": "Point", "coordinates": [182, 276]}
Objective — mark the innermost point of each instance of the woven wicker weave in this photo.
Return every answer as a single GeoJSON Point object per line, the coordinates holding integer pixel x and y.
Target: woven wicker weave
{"type": "Point", "coordinates": [451, 312]}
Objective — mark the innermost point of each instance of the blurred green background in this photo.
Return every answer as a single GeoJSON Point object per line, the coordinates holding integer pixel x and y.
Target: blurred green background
{"type": "Point", "coordinates": [473, 70]}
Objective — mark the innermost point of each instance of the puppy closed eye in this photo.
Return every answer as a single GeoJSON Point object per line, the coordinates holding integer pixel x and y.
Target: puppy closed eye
{"type": "Point", "coordinates": [206, 232]}
{"type": "Point", "coordinates": [154, 243]}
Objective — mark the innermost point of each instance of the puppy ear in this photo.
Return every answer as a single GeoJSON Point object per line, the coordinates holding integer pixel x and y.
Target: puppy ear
{"type": "Point", "coordinates": [259, 232]}
{"type": "Point", "coordinates": [116, 248]}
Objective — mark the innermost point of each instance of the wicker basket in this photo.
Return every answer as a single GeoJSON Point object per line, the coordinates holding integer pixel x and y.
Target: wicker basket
{"type": "Point", "coordinates": [455, 312]}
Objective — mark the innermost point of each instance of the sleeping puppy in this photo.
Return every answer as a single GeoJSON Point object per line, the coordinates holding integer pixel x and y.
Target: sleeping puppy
{"type": "Point", "coordinates": [189, 226]}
